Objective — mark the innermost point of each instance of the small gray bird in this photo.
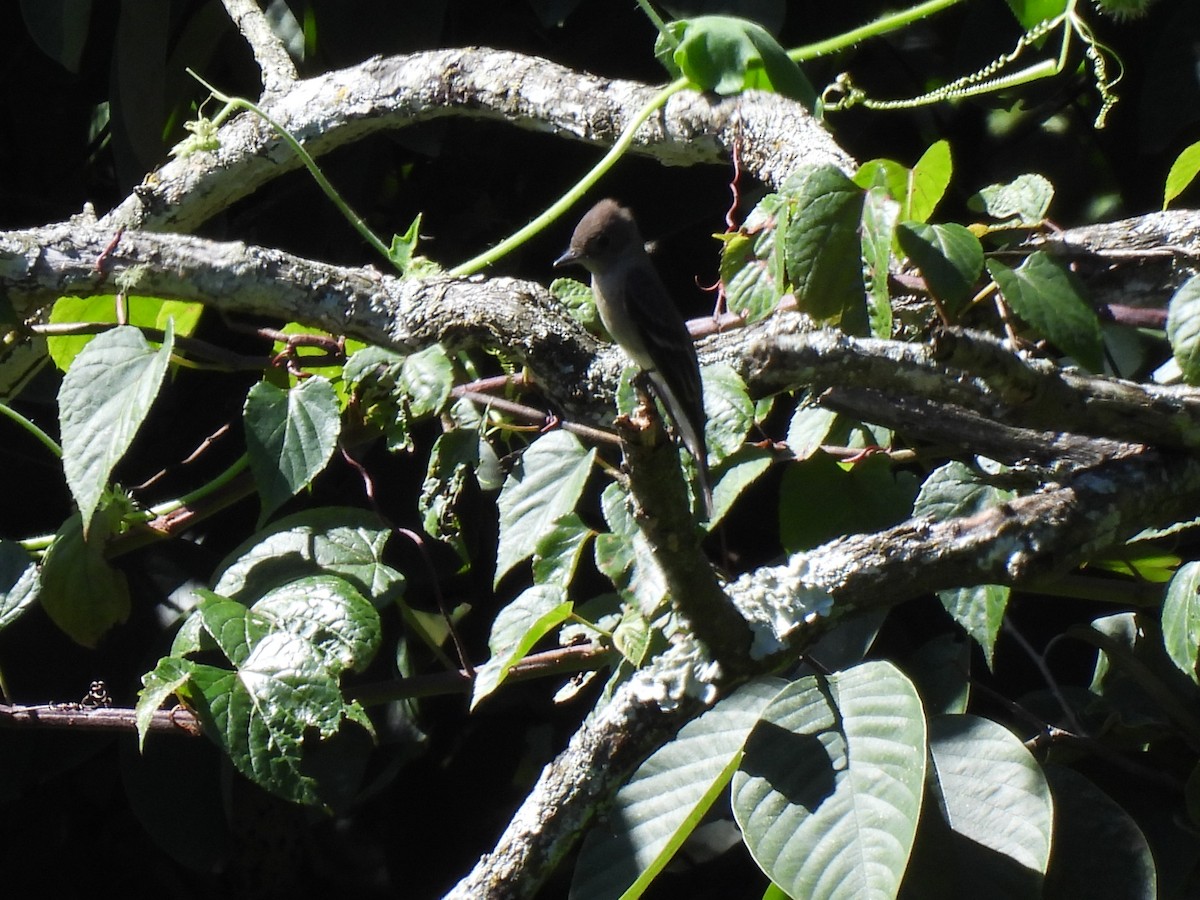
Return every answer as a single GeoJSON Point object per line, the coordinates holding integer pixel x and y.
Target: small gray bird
{"type": "Point", "coordinates": [638, 312]}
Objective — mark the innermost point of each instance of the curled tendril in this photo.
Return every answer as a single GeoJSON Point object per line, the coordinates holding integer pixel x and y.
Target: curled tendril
{"type": "Point", "coordinates": [843, 93]}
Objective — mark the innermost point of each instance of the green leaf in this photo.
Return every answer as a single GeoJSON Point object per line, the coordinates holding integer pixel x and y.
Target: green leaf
{"type": "Point", "coordinates": [104, 398]}
{"type": "Point", "coordinates": [820, 500]}
{"type": "Point", "coordinates": [892, 179]}
{"type": "Point", "coordinates": [234, 628]}
{"type": "Point", "coordinates": [614, 550]}
{"type": "Point", "coordinates": [262, 711]}
{"type": "Point", "coordinates": [518, 626]}
{"type": "Point", "coordinates": [579, 302]}
{"type": "Point", "coordinates": [729, 410]}
{"type": "Point", "coordinates": [1181, 619]}
{"type": "Point", "coordinates": [286, 654]}
{"type": "Point", "coordinates": [404, 246]}
{"type": "Point", "coordinates": [558, 553]}
{"type": "Point", "coordinates": [823, 255]}
{"type": "Point", "coordinates": [1183, 328]}
{"type": "Point", "coordinates": [141, 312]}
{"type": "Point", "coordinates": [829, 792]}
{"type": "Point", "coordinates": [739, 471]}
{"type": "Point", "coordinates": [290, 437]}
{"type": "Point", "coordinates": [81, 593]}
{"type": "Point", "coordinates": [1023, 201]}
{"type": "Point", "coordinates": [20, 582]}
{"type": "Point", "coordinates": [1044, 293]}
{"type": "Point", "coordinates": [751, 277]}
{"type": "Point", "coordinates": [667, 797]}
{"type": "Point", "coordinates": [427, 378]}
{"type": "Point", "coordinates": [452, 462]}
{"type": "Point", "coordinates": [337, 622]}
{"type": "Point", "coordinates": [543, 486]}
{"type": "Point", "coordinates": [992, 791]}
{"type": "Point", "coordinates": [809, 428]}
{"type": "Point", "coordinates": [167, 678]}
{"type": "Point", "coordinates": [378, 362]}
{"type": "Point", "coordinates": [728, 55]}
{"type": "Point", "coordinates": [625, 557]}
{"type": "Point", "coordinates": [954, 491]}
{"type": "Point", "coordinates": [940, 668]}
{"type": "Point", "coordinates": [930, 178]}
{"type": "Point", "coordinates": [880, 214]}
{"type": "Point", "coordinates": [1099, 850]}
{"type": "Point", "coordinates": [346, 542]}
{"type": "Point", "coordinates": [918, 190]}
{"type": "Point", "coordinates": [1183, 172]}
{"type": "Point", "coordinates": [949, 256]}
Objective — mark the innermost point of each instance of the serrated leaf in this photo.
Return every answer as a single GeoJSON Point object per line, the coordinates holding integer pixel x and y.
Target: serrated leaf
{"type": "Point", "coordinates": [1183, 328]}
{"type": "Point", "coordinates": [232, 626]}
{"type": "Point", "coordinates": [729, 411]}
{"type": "Point", "coordinates": [809, 428]}
{"type": "Point", "coordinates": [544, 485]}
{"type": "Point", "coordinates": [290, 437]}
{"type": "Point", "coordinates": [829, 791]}
{"type": "Point", "coordinates": [1044, 293]}
{"type": "Point", "coordinates": [880, 214]}
{"type": "Point", "coordinates": [81, 593]}
{"type": "Point", "coordinates": [286, 655]}
{"type": "Point", "coordinates": [667, 797]}
{"type": "Point", "coordinates": [278, 692]}
{"type": "Point", "coordinates": [750, 275]}
{"type": "Point", "coordinates": [102, 402]}
{"type": "Point", "coordinates": [822, 248]}
{"type": "Point", "coordinates": [949, 256]}
{"type": "Point", "coordinates": [518, 626]}
{"type": "Point", "coordinates": [341, 541]}
{"type": "Point", "coordinates": [167, 678]}
{"type": "Point", "coordinates": [979, 609]}
{"type": "Point", "coordinates": [727, 55]}
{"type": "Point", "coordinates": [992, 790]}
{"type": "Point", "coordinates": [338, 623]}
{"type": "Point", "coordinates": [579, 302]}
{"type": "Point", "coordinates": [20, 581]}
{"type": "Point", "coordinates": [1183, 172]}
{"type": "Point", "coordinates": [379, 362]}
{"type": "Point", "coordinates": [1181, 619]}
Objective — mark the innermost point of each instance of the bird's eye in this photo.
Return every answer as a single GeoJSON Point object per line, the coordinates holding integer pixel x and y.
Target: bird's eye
{"type": "Point", "coordinates": [601, 242]}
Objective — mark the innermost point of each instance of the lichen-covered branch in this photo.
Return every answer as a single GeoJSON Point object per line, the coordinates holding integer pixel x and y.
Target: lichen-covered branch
{"type": "Point", "coordinates": [773, 134]}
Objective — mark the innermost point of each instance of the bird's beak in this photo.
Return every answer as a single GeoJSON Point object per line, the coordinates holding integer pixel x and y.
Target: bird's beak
{"type": "Point", "coordinates": [567, 258]}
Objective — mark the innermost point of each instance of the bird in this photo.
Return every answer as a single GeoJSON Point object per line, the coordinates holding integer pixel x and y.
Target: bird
{"type": "Point", "coordinates": [638, 312]}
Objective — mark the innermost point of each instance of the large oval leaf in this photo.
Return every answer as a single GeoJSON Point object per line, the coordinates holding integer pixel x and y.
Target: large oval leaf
{"type": "Point", "coordinates": [829, 792]}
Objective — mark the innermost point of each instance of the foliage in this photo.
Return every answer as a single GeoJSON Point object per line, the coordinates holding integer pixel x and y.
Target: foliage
{"type": "Point", "coordinates": [895, 756]}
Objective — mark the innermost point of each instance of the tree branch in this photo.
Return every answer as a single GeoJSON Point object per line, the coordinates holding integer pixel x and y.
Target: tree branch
{"type": "Point", "coordinates": [773, 134]}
